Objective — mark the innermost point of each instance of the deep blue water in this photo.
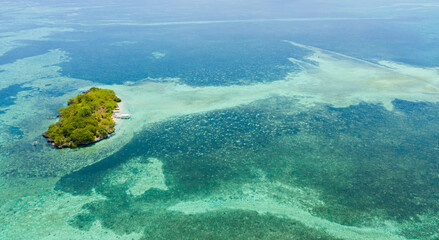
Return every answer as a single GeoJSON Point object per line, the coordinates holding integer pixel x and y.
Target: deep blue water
{"type": "Point", "coordinates": [225, 53]}
{"type": "Point", "coordinates": [7, 94]}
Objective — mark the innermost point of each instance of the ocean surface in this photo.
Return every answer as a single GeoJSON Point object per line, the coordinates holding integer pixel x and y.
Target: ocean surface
{"type": "Point", "coordinates": [250, 119]}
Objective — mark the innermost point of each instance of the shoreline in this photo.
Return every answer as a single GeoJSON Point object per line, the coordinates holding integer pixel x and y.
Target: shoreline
{"type": "Point", "coordinates": [120, 109]}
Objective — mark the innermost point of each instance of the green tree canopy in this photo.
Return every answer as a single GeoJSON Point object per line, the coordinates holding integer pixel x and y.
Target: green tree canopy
{"type": "Point", "coordinates": [87, 117]}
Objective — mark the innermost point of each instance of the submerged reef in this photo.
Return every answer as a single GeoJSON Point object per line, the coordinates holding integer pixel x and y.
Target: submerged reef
{"type": "Point", "coordinates": [86, 120]}
{"type": "Point", "coordinates": [273, 169]}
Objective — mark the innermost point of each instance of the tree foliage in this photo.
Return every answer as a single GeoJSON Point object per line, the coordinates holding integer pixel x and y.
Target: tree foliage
{"type": "Point", "coordinates": [87, 117]}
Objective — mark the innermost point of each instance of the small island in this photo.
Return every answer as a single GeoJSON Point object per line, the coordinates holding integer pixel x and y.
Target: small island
{"type": "Point", "coordinates": [87, 119]}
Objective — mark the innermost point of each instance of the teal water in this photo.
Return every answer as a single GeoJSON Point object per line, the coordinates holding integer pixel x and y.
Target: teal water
{"type": "Point", "coordinates": [256, 120]}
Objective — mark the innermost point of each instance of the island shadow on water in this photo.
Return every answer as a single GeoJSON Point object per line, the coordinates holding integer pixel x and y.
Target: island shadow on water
{"type": "Point", "coordinates": [357, 158]}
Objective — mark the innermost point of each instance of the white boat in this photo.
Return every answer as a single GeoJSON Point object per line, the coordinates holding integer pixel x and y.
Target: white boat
{"type": "Point", "coordinates": [123, 116]}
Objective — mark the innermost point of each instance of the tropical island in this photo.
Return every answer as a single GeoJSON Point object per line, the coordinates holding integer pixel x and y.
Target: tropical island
{"type": "Point", "coordinates": [87, 119]}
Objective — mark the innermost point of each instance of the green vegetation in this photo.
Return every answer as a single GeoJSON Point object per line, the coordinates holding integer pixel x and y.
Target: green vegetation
{"type": "Point", "coordinates": [87, 119]}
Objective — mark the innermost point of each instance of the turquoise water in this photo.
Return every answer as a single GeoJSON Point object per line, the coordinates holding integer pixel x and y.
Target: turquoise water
{"type": "Point", "coordinates": [255, 120]}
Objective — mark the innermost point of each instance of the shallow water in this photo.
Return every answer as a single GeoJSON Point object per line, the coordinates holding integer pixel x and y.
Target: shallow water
{"type": "Point", "coordinates": [302, 120]}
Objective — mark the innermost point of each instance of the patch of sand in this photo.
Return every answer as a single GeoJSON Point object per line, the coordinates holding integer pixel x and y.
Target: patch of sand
{"type": "Point", "coordinates": [139, 175]}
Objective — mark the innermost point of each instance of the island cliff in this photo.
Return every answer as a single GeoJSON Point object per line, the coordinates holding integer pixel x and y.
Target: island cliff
{"type": "Point", "coordinates": [86, 120]}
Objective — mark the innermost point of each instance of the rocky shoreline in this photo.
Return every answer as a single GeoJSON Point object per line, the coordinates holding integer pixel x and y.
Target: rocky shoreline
{"type": "Point", "coordinates": [66, 145]}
